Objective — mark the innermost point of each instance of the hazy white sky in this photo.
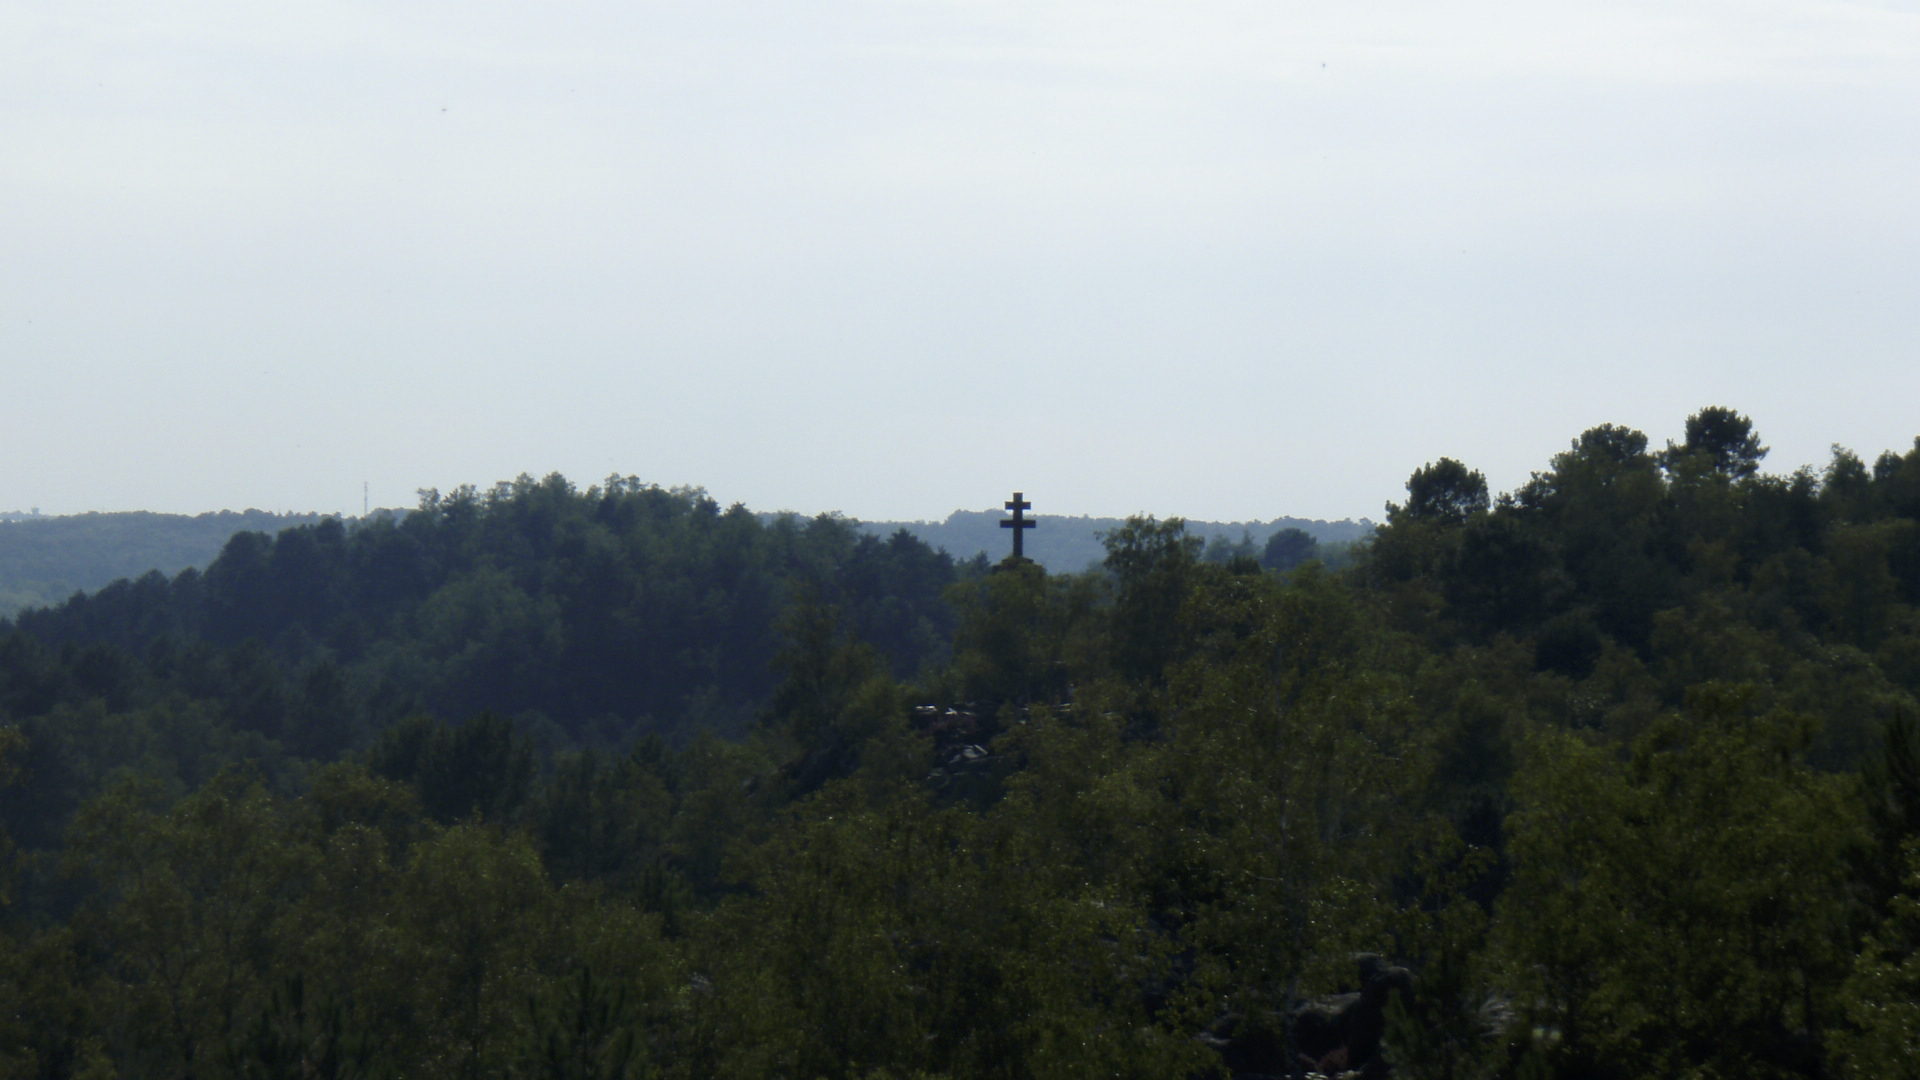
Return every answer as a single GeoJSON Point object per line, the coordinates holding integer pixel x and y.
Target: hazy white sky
{"type": "Point", "coordinates": [1221, 259]}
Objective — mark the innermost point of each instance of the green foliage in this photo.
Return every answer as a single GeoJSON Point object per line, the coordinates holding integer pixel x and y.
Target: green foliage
{"type": "Point", "coordinates": [1023, 636]}
{"type": "Point", "coordinates": [908, 940]}
{"type": "Point", "coordinates": [1683, 912]}
{"type": "Point", "coordinates": [1882, 997]}
{"type": "Point", "coordinates": [588, 617]}
{"type": "Point", "coordinates": [1287, 549]}
{"type": "Point", "coordinates": [186, 905]}
{"type": "Point", "coordinates": [604, 820]}
{"type": "Point", "coordinates": [293, 1035]}
{"type": "Point", "coordinates": [1719, 440]}
{"type": "Point", "coordinates": [1153, 564]}
{"type": "Point", "coordinates": [1890, 785]}
{"type": "Point", "coordinates": [11, 745]}
{"type": "Point", "coordinates": [824, 673]}
{"type": "Point", "coordinates": [1443, 492]}
{"type": "Point", "coordinates": [624, 606]}
{"type": "Point", "coordinates": [1290, 770]}
{"type": "Point", "coordinates": [1622, 766]}
{"type": "Point", "coordinates": [586, 1035]}
{"type": "Point", "coordinates": [477, 769]}
{"type": "Point", "coordinates": [1450, 1028]}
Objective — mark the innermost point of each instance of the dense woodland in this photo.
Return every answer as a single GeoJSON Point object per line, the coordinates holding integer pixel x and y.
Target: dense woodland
{"type": "Point", "coordinates": [45, 559]}
{"type": "Point", "coordinates": [1615, 775]}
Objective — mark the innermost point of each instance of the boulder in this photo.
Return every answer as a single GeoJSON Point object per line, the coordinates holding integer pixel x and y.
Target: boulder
{"type": "Point", "coordinates": [1340, 1034]}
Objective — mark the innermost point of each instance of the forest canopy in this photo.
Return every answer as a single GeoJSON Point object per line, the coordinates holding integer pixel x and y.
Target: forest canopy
{"type": "Point", "coordinates": [1613, 775]}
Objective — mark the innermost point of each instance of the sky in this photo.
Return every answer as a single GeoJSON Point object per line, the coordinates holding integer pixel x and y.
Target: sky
{"type": "Point", "coordinates": [1228, 260]}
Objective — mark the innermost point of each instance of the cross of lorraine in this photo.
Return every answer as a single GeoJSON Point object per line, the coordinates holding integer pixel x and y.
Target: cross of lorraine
{"type": "Point", "coordinates": [1020, 524]}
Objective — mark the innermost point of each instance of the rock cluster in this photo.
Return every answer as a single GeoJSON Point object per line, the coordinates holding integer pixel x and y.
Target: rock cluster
{"type": "Point", "coordinates": [1337, 1036]}
{"type": "Point", "coordinates": [966, 765]}
{"type": "Point", "coordinates": [1340, 1035]}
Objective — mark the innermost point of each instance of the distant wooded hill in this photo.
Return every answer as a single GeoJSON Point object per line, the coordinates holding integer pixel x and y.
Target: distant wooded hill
{"type": "Point", "coordinates": [46, 559]}
{"type": "Point", "coordinates": [1071, 544]}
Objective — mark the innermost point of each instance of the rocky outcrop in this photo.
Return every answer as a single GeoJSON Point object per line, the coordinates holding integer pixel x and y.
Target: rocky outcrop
{"type": "Point", "coordinates": [1337, 1036]}
{"type": "Point", "coordinates": [1340, 1035]}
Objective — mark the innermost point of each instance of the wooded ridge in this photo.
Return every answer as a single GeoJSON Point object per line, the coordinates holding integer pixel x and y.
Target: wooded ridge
{"type": "Point", "coordinates": [1613, 775]}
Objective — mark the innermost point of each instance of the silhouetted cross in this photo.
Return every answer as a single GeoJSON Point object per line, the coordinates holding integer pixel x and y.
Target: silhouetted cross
{"type": "Point", "coordinates": [1020, 523]}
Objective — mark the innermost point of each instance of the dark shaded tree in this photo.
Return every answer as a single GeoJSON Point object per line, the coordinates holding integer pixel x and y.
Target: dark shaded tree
{"type": "Point", "coordinates": [1288, 548]}
{"type": "Point", "coordinates": [1444, 491]}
